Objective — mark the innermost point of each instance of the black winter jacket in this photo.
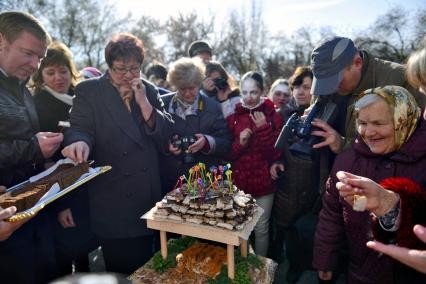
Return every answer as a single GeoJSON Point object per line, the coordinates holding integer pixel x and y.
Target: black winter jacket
{"type": "Point", "coordinates": [20, 154]}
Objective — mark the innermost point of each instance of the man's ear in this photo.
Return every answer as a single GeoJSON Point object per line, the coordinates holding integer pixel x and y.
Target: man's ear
{"type": "Point", "coordinates": [3, 42]}
{"type": "Point", "coordinates": [357, 62]}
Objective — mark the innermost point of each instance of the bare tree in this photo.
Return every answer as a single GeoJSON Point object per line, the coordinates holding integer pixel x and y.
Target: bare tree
{"type": "Point", "coordinates": [420, 29]}
{"type": "Point", "coordinates": [184, 29]}
{"type": "Point", "coordinates": [244, 38]}
{"type": "Point", "coordinates": [85, 27]}
{"type": "Point", "coordinates": [149, 30]}
{"type": "Point", "coordinates": [38, 8]}
{"type": "Point", "coordinates": [389, 37]}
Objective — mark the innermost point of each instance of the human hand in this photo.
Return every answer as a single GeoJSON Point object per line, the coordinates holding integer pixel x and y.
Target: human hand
{"type": "Point", "coordinates": [65, 218]}
{"type": "Point", "coordinates": [245, 136]}
{"type": "Point", "coordinates": [258, 118]}
{"type": "Point", "coordinates": [174, 150]}
{"type": "Point", "coordinates": [331, 137]}
{"type": "Point", "coordinates": [141, 99]}
{"type": "Point", "coordinates": [138, 89]}
{"type": "Point", "coordinates": [2, 189]}
{"type": "Point", "coordinates": [7, 228]}
{"type": "Point", "coordinates": [222, 95]}
{"type": "Point", "coordinates": [198, 145]}
{"type": "Point", "coordinates": [77, 151]}
{"type": "Point", "coordinates": [411, 257]}
{"type": "Point", "coordinates": [275, 169]}
{"type": "Point", "coordinates": [49, 142]}
{"type": "Point", "coordinates": [325, 275]}
{"type": "Point", "coordinates": [208, 84]}
{"type": "Point", "coordinates": [379, 200]}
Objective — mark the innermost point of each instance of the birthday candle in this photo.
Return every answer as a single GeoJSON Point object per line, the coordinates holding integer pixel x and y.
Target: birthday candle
{"type": "Point", "coordinates": [228, 175]}
{"type": "Point", "coordinates": [174, 188]}
{"type": "Point", "coordinates": [218, 179]}
{"type": "Point", "coordinates": [208, 176]}
{"type": "Point", "coordinates": [188, 181]}
{"type": "Point", "coordinates": [191, 171]}
{"type": "Point", "coordinates": [201, 185]}
{"type": "Point", "coordinates": [181, 180]}
{"type": "Point", "coordinates": [201, 165]}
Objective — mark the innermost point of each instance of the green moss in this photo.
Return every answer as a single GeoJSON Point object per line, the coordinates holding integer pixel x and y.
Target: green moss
{"type": "Point", "coordinates": [174, 247]}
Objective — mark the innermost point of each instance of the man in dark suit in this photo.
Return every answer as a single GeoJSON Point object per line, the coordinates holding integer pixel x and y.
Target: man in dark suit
{"type": "Point", "coordinates": [119, 120]}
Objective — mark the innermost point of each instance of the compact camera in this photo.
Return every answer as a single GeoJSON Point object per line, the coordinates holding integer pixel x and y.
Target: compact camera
{"type": "Point", "coordinates": [183, 143]}
{"type": "Point", "coordinates": [220, 83]}
{"type": "Point", "coordinates": [297, 132]}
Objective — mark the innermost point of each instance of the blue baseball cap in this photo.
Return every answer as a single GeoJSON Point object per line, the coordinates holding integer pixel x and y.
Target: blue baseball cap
{"type": "Point", "coordinates": [328, 60]}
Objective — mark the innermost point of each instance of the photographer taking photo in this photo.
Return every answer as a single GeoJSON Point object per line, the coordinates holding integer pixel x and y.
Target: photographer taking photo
{"type": "Point", "coordinates": [220, 85]}
{"type": "Point", "coordinates": [199, 125]}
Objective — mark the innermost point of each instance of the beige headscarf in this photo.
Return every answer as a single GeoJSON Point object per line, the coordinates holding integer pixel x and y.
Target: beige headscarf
{"type": "Point", "coordinates": [406, 112]}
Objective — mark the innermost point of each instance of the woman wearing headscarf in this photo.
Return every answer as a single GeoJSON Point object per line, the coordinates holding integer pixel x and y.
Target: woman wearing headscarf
{"type": "Point", "coordinates": [412, 254]}
{"type": "Point", "coordinates": [390, 143]}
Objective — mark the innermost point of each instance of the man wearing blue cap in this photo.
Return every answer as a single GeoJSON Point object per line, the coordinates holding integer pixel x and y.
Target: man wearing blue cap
{"type": "Point", "coordinates": [340, 68]}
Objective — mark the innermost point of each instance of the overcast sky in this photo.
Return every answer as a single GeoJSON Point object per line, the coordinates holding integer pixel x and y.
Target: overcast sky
{"type": "Point", "coordinates": [279, 15]}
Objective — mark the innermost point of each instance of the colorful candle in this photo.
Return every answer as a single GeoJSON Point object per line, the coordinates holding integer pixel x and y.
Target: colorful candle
{"type": "Point", "coordinates": [228, 176]}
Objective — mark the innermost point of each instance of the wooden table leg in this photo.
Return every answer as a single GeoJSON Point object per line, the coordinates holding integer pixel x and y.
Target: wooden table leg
{"type": "Point", "coordinates": [163, 243]}
{"type": "Point", "coordinates": [244, 248]}
{"type": "Point", "coordinates": [231, 267]}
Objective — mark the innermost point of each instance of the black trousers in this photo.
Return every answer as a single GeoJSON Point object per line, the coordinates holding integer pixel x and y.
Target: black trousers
{"type": "Point", "coordinates": [28, 257]}
{"type": "Point", "coordinates": [128, 254]}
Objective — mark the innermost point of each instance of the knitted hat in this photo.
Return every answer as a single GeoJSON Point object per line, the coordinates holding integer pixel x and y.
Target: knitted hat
{"type": "Point", "coordinates": [90, 72]}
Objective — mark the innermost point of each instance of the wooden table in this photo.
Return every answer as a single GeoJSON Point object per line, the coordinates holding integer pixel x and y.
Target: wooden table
{"type": "Point", "coordinates": [230, 238]}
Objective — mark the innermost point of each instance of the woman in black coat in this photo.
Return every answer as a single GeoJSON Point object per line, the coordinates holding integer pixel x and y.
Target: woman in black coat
{"type": "Point", "coordinates": [119, 120]}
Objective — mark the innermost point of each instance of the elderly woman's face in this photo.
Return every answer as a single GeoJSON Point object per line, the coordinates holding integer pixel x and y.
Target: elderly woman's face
{"type": "Point", "coordinates": [188, 93]}
{"type": "Point", "coordinates": [57, 77]}
{"type": "Point", "coordinates": [122, 72]}
{"type": "Point", "coordinates": [376, 127]}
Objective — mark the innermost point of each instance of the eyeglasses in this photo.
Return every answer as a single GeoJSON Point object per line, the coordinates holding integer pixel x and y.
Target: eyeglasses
{"type": "Point", "coordinates": [122, 70]}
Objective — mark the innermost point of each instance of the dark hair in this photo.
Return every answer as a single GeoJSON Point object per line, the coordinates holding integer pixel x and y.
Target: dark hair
{"type": "Point", "coordinates": [256, 76]}
{"type": "Point", "coordinates": [12, 24]}
{"type": "Point", "coordinates": [58, 54]}
{"type": "Point", "coordinates": [215, 66]}
{"type": "Point", "coordinates": [299, 74]}
{"type": "Point", "coordinates": [124, 46]}
{"type": "Point", "coordinates": [157, 70]}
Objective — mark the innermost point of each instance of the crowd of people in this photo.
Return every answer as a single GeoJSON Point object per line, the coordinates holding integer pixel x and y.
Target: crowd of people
{"type": "Point", "coordinates": [347, 199]}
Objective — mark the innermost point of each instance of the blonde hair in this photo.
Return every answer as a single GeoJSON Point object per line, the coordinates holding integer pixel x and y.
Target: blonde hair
{"type": "Point", "coordinates": [416, 69]}
{"type": "Point", "coordinates": [186, 72]}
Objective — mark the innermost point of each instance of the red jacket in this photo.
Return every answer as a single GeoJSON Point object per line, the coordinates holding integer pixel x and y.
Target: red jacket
{"type": "Point", "coordinates": [250, 163]}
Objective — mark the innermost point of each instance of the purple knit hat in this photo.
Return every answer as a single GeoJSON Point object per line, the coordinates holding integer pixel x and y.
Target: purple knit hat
{"type": "Point", "coordinates": [90, 72]}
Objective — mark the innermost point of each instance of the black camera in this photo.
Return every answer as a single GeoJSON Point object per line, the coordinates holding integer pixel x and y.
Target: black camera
{"type": "Point", "coordinates": [183, 143]}
{"type": "Point", "coordinates": [220, 83]}
{"type": "Point", "coordinates": [297, 132]}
